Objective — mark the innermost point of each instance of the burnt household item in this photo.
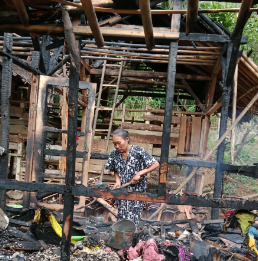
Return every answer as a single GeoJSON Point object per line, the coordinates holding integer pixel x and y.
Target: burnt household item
{"type": "Point", "coordinates": [121, 234]}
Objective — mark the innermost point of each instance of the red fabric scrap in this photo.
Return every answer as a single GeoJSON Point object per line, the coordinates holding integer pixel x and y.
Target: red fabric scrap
{"type": "Point", "coordinates": [121, 253]}
{"type": "Point", "coordinates": [108, 250]}
{"type": "Point", "coordinates": [229, 213]}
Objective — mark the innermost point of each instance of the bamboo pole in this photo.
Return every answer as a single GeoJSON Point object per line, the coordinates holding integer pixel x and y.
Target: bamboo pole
{"type": "Point", "coordinates": [218, 142]}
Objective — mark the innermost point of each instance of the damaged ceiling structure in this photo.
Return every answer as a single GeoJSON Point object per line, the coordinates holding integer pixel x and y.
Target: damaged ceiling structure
{"type": "Point", "coordinates": [96, 53]}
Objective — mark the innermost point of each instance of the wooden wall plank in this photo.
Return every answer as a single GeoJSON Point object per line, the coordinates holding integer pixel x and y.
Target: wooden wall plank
{"type": "Point", "coordinates": [149, 127]}
{"type": "Point", "coordinates": [175, 119]}
{"type": "Point", "coordinates": [195, 135]}
{"type": "Point", "coordinates": [182, 136]}
{"type": "Point", "coordinates": [151, 139]}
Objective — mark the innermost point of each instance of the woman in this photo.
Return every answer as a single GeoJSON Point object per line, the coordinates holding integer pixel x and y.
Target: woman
{"type": "Point", "coordinates": [129, 163]}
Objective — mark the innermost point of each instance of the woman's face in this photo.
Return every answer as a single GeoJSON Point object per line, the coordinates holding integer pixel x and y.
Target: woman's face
{"type": "Point", "coordinates": [120, 144]}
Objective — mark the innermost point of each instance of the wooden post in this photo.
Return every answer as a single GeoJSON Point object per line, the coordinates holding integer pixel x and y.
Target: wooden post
{"type": "Point", "coordinates": [170, 88]}
{"type": "Point", "coordinates": [147, 23]}
{"type": "Point", "coordinates": [229, 65]}
{"type": "Point", "coordinates": [191, 17]}
{"type": "Point", "coordinates": [5, 113]}
{"type": "Point", "coordinates": [71, 137]}
{"type": "Point", "coordinates": [233, 133]}
{"type": "Point", "coordinates": [18, 161]}
{"type": "Point", "coordinates": [31, 126]}
{"type": "Point", "coordinates": [123, 115]}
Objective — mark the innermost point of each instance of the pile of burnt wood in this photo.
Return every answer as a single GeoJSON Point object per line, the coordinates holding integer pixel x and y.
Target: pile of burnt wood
{"type": "Point", "coordinates": [34, 234]}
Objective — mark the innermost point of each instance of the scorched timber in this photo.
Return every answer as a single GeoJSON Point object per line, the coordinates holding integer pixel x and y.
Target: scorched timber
{"type": "Point", "coordinates": [149, 74]}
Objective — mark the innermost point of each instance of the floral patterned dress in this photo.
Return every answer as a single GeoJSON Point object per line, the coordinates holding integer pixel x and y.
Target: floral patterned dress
{"type": "Point", "coordinates": [137, 160]}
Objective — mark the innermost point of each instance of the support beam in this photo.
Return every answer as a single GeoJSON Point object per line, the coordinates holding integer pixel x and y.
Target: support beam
{"type": "Point", "coordinates": [71, 136]}
{"type": "Point", "coordinates": [6, 86]}
{"type": "Point", "coordinates": [149, 74]}
{"type": "Point", "coordinates": [228, 75]}
{"type": "Point", "coordinates": [234, 105]}
{"type": "Point", "coordinates": [147, 23]}
{"type": "Point", "coordinates": [93, 22]}
{"type": "Point", "coordinates": [191, 17]}
{"type": "Point", "coordinates": [31, 125]}
{"type": "Point", "coordinates": [243, 16]}
{"type": "Point", "coordinates": [22, 12]}
{"type": "Point", "coordinates": [170, 89]}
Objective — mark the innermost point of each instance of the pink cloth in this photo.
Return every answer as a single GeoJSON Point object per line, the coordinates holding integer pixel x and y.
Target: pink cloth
{"type": "Point", "coordinates": [121, 253]}
{"type": "Point", "coordinates": [149, 251]}
{"type": "Point", "coordinates": [108, 250]}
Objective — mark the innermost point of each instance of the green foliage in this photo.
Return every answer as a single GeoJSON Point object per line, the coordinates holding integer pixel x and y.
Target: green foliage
{"type": "Point", "coordinates": [228, 20]}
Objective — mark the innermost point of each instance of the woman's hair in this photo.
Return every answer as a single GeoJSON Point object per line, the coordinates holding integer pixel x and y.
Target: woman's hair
{"type": "Point", "coordinates": [122, 133]}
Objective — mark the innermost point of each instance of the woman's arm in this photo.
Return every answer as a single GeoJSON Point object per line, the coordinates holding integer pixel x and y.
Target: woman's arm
{"type": "Point", "coordinates": [138, 176]}
{"type": "Point", "coordinates": [118, 181]}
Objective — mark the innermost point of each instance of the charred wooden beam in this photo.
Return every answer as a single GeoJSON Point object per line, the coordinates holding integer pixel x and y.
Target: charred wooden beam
{"type": "Point", "coordinates": [22, 12]}
{"type": "Point", "coordinates": [62, 153]}
{"type": "Point", "coordinates": [147, 23]}
{"type": "Point", "coordinates": [71, 136]}
{"type": "Point", "coordinates": [170, 89]}
{"type": "Point", "coordinates": [186, 199]}
{"type": "Point", "coordinates": [147, 74]}
{"type": "Point", "coordinates": [6, 85]}
{"type": "Point", "coordinates": [19, 62]}
{"type": "Point", "coordinates": [191, 17]}
{"type": "Point", "coordinates": [243, 16]}
{"type": "Point", "coordinates": [93, 21]}
{"type": "Point", "coordinates": [228, 69]}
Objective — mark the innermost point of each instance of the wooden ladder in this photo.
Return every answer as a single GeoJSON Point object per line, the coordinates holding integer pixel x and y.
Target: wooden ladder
{"type": "Point", "coordinates": [98, 108]}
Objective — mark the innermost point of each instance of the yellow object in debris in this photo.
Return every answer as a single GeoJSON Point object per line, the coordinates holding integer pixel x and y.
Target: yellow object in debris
{"type": "Point", "coordinates": [37, 216]}
{"type": "Point", "coordinates": [252, 246]}
{"type": "Point", "coordinates": [245, 220]}
{"type": "Point", "coordinates": [57, 228]}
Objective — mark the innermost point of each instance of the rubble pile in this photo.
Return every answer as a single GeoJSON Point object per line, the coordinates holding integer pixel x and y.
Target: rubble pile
{"type": "Point", "coordinates": [35, 235]}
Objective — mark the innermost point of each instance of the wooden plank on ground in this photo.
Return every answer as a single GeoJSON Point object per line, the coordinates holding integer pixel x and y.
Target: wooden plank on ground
{"type": "Point", "coordinates": [182, 136]}
{"type": "Point", "coordinates": [196, 135]}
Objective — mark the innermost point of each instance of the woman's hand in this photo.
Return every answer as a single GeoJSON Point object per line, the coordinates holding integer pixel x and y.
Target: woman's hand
{"type": "Point", "coordinates": [117, 185]}
{"type": "Point", "coordinates": [136, 178]}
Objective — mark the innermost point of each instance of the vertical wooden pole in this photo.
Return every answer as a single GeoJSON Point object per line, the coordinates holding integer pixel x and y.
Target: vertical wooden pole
{"type": "Point", "coordinates": [170, 89]}
{"type": "Point", "coordinates": [18, 161]}
{"type": "Point", "coordinates": [31, 126]}
{"type": "Point", "coordinates": [5, 112]}
{"type": "Point", "coordinates": [71, 137]}
{"type": "Point", "coordinates": [228, 69]}
{"type": "Point", "coordinates": [233, 133]}
{"type": "Point", "coordinates": [123, 115]}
